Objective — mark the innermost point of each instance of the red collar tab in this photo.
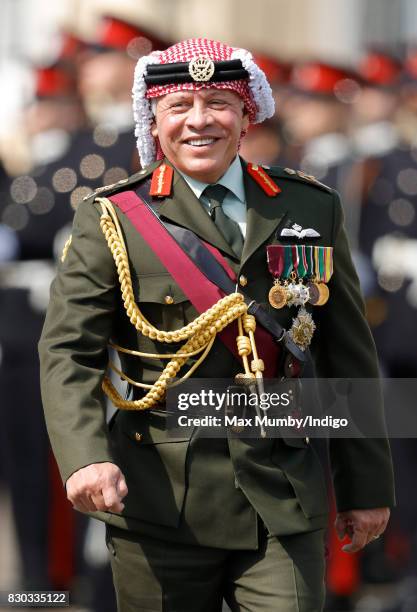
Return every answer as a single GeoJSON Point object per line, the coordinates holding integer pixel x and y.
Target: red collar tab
{"type": "Point", "coordinates": [264, 180]}
{"type": "Point", "coordinates": [162, 181]}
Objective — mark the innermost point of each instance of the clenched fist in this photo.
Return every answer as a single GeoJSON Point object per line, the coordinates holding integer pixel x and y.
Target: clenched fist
{"type": "Point", "coordinates": [99, 486]}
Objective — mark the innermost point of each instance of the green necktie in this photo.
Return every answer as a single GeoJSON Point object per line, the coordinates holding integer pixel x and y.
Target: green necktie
{"type": "Point", "coordinates": [228, 228]}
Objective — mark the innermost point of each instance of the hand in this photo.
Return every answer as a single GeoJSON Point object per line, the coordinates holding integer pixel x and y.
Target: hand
{"type": "Point", "coordinates": [99, 486]}
{"type": "Point", "coordinates": [362, 526]}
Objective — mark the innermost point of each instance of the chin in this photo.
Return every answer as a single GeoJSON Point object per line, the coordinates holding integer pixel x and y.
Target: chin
{"type": "Point", "coordinates": [204, 169]}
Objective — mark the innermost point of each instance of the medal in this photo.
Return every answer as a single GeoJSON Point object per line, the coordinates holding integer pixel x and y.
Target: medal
{"type": "Point", "coordinates": [324, 294]}
{"type": "Point", "coordinates": [328, 263]}
{"type": "Point", "coordinates": [302, 260]}
{"type": "Point", "coordinates": [297, 292]}
{"type": "Point", "coordinates": [313, 289]}
{"type": "Point", "coordinates": [324, 270]}
{"type": "Point", "coordinates": [301, 273]}
{"type": "Point", "coordinates": [300, 269]}
{"type": "Point", "coordinates": [302, 329]}
{"type": "Point", "coordinates": [290, 271]}
{"type": "Point", "coordinates": [303, 295]}
{"type": "Point", "coordinates": [277, 295]}
{"type": "Point", "coordinates": [314, 293]}
{"type": "Point", "coordinates": [292, 292]}
{"type": "Point", "coordinates": [327, 266]}
{"type": "Point", "coordinates": [320, 267]}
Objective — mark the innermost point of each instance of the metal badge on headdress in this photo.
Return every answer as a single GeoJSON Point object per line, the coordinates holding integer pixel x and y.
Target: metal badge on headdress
{"type": "Point", "coordinates": [201, 69]}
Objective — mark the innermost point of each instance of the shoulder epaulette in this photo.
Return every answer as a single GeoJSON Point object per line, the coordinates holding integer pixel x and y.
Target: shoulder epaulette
{"type": "Point", "coordinates": [297, 175]}
{"type": "Point", "coordinates": [109, 189]}
{"type": "Point", "coordinates": [106, 188]}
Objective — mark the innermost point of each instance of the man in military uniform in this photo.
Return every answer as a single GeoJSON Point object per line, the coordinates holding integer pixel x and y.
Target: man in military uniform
{"type": "Point", "coordinates": [193, 520]}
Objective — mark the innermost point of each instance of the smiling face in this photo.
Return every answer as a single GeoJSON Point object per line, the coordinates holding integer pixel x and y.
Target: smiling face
{"type": "Point", "coordinates": [199, 131]}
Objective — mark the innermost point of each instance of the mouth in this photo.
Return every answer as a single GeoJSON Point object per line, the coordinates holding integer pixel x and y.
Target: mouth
{"type": "Point", "coordinates": [200, 142]}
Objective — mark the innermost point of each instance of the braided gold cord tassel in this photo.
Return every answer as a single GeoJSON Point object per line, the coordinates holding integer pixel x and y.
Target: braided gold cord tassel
{"type": "Point", "coordinates": [257, 365]}
{"type": "Point", "coordinates": [244, 348]}
{"type": "Point", "coordinates": [198, 335]}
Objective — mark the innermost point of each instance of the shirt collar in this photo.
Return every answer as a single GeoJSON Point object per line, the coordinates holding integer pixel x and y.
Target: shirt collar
{"type": "Point", "coordinates": [232, 179]}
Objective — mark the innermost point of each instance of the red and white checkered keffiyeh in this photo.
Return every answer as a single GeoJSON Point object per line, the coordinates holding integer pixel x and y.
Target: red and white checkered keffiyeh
{"type": "Point", "coordinates": [255, 91]}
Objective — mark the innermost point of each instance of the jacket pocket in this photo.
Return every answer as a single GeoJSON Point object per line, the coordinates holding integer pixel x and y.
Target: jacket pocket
{"type": "Point", "coordinates": [301, 465]}
{"type": "Point", "coordinates": [154, 465]}
{"type": "Point", "coordinates": [161, 300]}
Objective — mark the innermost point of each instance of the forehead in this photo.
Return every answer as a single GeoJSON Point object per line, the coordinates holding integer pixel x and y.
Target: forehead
{"type": "Point", "coordinates": [202, 94]}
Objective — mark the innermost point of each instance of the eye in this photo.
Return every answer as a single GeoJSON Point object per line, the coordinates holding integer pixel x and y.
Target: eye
{"type": "Point", "coordinates": [218, 102]}
{"type": "Point", "coordinates": [179, 105]}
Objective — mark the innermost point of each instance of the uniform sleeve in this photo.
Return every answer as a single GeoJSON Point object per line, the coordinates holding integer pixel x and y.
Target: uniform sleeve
{"type": "Point", "coordinates": [73, 346]}
{"type": "Point", "coordinates": [344, 348]}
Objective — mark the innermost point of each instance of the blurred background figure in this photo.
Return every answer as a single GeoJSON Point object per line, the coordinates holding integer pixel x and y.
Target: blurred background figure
{"type": "Point", "coordinates": [28, 208]}
{"type": "Point", "coordinates": [389, 229]}
{"type": "Point", "coordinates": [78, 135]}
{"type": "Point", "coordinates": [264, 143]}
{"type": "Point", "coordinates": [389, 237]}
{"type": "Point", "coordinates": [317, 125]}
{"type": "Point", "coordinates": [374, 130]}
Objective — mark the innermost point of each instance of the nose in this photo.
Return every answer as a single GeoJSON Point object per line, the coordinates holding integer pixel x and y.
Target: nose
{"type": "Point", "coordinates": [198, 116]}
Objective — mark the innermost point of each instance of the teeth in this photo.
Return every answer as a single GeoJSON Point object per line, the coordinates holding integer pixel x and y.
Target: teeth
{"type": "Point", "coordinates": [201, 142]}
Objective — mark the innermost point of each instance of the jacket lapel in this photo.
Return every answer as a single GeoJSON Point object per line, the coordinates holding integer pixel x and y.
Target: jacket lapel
{"type": "Point", "coordinates": [264, 213]}
{"type": "Point", "coordinates": [184, 208]}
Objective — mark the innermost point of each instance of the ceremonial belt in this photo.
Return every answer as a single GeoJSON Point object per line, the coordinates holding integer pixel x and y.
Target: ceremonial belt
{"type": "Point", "coordinates": [192, 263]}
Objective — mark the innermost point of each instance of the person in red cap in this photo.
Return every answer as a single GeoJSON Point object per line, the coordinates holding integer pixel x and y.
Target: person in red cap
{"type": "Point", "coordinates": [179, 269]}
{"type": "Point", "coordinates": [106, 73]}
{"type": "Point", "coordinates": [317, 129]}
{"type": "Point", "coordinates": [374, 110]}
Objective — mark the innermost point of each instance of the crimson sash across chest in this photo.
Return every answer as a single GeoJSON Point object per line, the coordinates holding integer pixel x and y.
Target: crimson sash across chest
{"type": "Point", "coordinates": [201, 292]}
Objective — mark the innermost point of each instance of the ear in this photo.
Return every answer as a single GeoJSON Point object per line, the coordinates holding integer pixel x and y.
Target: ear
{"type": "Point", "coordinates": [245, 121]}
{"type": "Point", "coordinates": [154, 129]}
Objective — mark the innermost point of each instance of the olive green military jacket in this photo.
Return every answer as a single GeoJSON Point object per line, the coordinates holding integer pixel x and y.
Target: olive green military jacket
{"type": "Point", "coordinates": [179, 485]}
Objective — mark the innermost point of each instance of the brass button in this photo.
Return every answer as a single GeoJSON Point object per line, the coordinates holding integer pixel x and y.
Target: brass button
{"type": "Point", "coordinates": [169, 299]}
{"type": "Point", "coordinates": [243, 281]}
{"type": "Point", "coordinates": [138, 436]}
{"type": "Point", "coordinates": [304, 175]}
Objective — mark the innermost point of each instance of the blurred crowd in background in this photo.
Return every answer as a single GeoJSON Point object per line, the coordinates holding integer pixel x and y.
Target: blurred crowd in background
{"type": "Point", "coordinates": [351, 124]}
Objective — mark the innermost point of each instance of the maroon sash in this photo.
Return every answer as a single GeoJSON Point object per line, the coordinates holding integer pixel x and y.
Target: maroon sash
{"type": "Point", "coordinates": [201, 292]}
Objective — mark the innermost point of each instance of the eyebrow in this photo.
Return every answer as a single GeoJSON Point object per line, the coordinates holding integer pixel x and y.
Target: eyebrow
{"type": "Point", "coordinates": [179, 97]}
{"type": "Point", "coordinates": [183, 95]}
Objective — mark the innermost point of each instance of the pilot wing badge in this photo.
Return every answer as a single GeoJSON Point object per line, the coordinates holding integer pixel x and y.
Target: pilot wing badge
{"type": "Point", "coordinates": [297, 231]}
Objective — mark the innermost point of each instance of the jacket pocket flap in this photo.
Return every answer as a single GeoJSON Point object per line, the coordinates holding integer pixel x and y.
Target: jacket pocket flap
{"type": "Point", "coordinates": [151, 427]}
{"type": "Point", "coordinates": [158, 288]}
